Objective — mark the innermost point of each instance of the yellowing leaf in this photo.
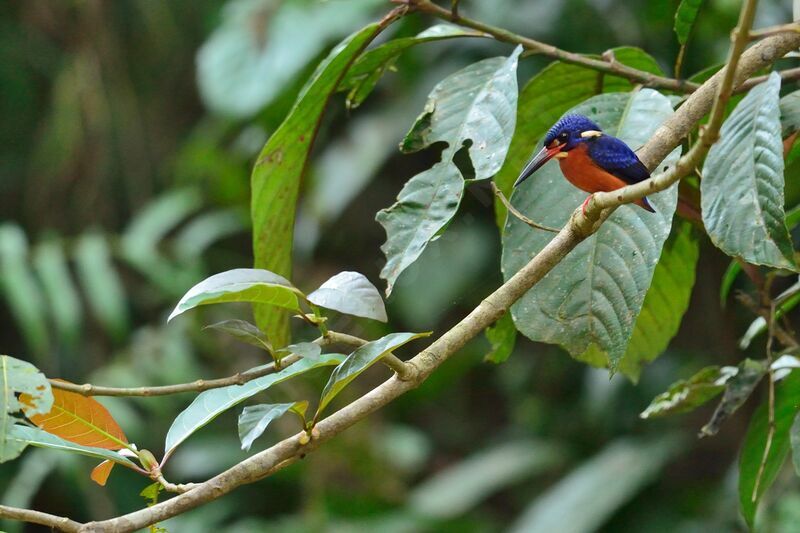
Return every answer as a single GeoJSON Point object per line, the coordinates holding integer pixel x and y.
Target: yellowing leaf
{"type": "Point", "coordinates": [101, 472]}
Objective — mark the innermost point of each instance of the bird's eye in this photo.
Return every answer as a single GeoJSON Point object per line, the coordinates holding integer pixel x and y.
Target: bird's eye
{"type": "Point", "coordinates": [563, 135]}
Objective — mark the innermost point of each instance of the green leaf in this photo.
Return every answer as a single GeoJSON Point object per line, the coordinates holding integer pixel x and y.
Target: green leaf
{"type": "Point", "coordinates": [306, 350]}
{"type": "Point", "coordinates": [101, 284]}
{"type": "Point", "coordinates": [585, 499]}
{"type": "Point", "coordinates": [424, 207]}
{"type": "Point", "coordinates": [350, 293]}
{"type": "Point", "coordinates": [255, 418]}
{"type": "Point", "coordinates": [551, 93]}
{"type": "Point", "coordinates": [794, 438]}
{"type": "Point", "coordinates": [665, 303]}
{"type": "Point", "coordinates": [360, 360]}
{"type": "Point", "coordinates": [737, 390]}
{"type": "Point", "coordinates": [790, 113]}
{"type": "Point", "coordinates": [473, 108]}
{"type": "Point", "coordinates": [203, 231]}
{"type": "Point", "coordinates": [275, 182]}
{"type": "Point", "coordinates": [241, 285]}
{"type": "Point", "coordinates": [742, 186]}
{"type": "Point", "coordinates": [21, 290]}
{"type": "Point", "coordinates": [787, 404]}
{"type": "Point", "coordinates": [502, 336]}
{"type": "Point", "coordinates": [593, 296]}
{"type": "Point", "coordinates": [263, 45]}
{"type": "Point", "coordinates": [460, 488]}
{"type": "Point", "coordinates": [211, 403]}
{"type": "Point", "coordinates": [26, 435]}
{"type": "Point", "coordinates": [19, 377]}
{"type": "Point", "coordinates": [62, 295]}
{"type": "Point", "coordinates": [728, 279]}
{"type": "Point", "coordinates": [362, 77]}
{"type": "Point", "coordinates": [685, 17]}
{"type": "Point", "coordinates": [686, 395]}
{"type": "Point", "coordinates": [243, 331]}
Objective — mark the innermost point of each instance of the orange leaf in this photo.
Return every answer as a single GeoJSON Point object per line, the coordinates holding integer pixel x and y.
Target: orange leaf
{"type": "Point", "coordinates": [101, 472]}
{"type": "Point", "coordinates": [80, 419]}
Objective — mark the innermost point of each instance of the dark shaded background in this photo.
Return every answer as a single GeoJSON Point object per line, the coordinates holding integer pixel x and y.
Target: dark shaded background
{"type": "Point", "coordinates": [114, 167]}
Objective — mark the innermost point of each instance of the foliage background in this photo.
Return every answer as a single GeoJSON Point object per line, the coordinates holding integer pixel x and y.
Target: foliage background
{"type": "Point", "coordinates": [118, 128]}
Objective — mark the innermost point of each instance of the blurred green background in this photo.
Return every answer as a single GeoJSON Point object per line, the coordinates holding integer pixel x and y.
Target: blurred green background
{"type": "Point", "coordinates": [128, 131]}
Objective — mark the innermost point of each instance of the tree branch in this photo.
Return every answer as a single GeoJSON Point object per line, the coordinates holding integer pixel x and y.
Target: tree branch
{"type": "Point", "coordinates": [60, 523]}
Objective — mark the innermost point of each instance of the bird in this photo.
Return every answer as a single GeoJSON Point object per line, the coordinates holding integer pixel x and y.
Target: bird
{"type": "Point", "coordinates": [590, 159]}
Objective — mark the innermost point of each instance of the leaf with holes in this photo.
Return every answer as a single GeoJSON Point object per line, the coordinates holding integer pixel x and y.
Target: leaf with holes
{"type": "Point", "coordinates": [685, 17]}
{"type": "Point", "coordinates": [360, 360]}
{"type": "Point", "coordinates": [688, 394]}
{"type": "Point", "coordinates": [350, 293]}
{"type": "Point", "coordinates": [362, 77]}
{"type": "Point", "coordinates": [255, 418]}
{"type": "Point", "coordinates": [275, 181]}
{"type": "Point", "coordinates": [243, 331]}
{"type": "Point", "coordinates": [79, 419]}
{"type": "Point", "coordinates": [210, 404]}
{"type": "Point", "coordinates": [742, 186]}
{"type": "Point", "coordinates": [241, 285]}
{"type": "Point", "coordinates": [16, 378]}
{"type": "Point", "coordinates": [787, 404]}
{"type": "Point", "coordinates": [551, 93]}
{"type": "Point", "coordinates": [593, 296]}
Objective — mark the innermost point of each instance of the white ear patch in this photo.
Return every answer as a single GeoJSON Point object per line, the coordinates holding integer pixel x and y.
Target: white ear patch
{"type": "Point", "coordinates": [561, 155]}
{"type": "Point", "coordinates": [591, 133]}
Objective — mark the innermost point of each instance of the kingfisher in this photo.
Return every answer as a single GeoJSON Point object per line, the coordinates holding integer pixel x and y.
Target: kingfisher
{"type": "Point", "coordinates": [591, 160]}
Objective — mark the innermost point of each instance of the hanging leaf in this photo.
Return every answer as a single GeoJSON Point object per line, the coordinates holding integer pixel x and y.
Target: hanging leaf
{"type": "Point", "coordinates": [360, 360]}
{"type": "Point", "coordinates": [737, 391]}
{"type": "Point", "coordinates": [585, 499]}
{"type": "Point", "coordinates": [79, 419]}
{"type": "Point", "coordinates": [502, 336]}
{"type": "Point", "coordinates": [26, 435]}
{"type": "Point", "coordinates": [474, 108]}
{"type": "Point", "coordinates": [665, 303]}
{"type": "Point", "coordinates": [787, 404]}
{"type": "Point", "coordinates": [593, 296]}
{"type": "Point", "coordinates": [241, 285]}
{"type": "Point", "coordinates": [211, 403]}
{"type": "Point", "coordinates": [742, 186]}
{"type": "Point", "coordinates": [276, 175]}
{"type": "Point", "coordinates": [685, 17]}
{"type": "Point", "coordinates": [101, 472]}
{"type": "Point", "coordinates": [362, 77]}
{"type": "Point", "coordinates": [19, 377]}
{"type": "Point", "coordinates": [255, 418]}
{"type": "Point", "coordinates": [551, 93]}
{"type": "Point", "coordinates": [350, 293]}
{"type": "Point", "coordinates": [686, 395]}
{"type": "Point", "coordinates": [243, 331]}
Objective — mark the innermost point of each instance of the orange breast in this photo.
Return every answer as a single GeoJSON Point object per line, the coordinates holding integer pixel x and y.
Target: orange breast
{"type": "Point", "coordinates": [582, 172]}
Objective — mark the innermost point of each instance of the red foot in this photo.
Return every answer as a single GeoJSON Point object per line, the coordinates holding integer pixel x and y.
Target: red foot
{"type": "Point", "coordinates": [583, 205]}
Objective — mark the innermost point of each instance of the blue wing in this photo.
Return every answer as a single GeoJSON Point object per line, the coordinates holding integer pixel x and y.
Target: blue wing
{"type": "Point", "coordinates": [615, 157]}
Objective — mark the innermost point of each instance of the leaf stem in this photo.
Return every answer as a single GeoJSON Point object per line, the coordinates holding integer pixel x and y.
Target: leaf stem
{"type": "Point", "coordinates": [770, 406]}
{"type": "Point", "coordinates": [514, 211]}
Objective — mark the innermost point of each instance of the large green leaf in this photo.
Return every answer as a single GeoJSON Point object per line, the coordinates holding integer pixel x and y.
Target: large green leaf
{"type": "Point", "coordinates": [241, 285]}
{"type": "Point", "coordinates": [593, 297]}
{"type": "Point", "coordinates": [21, 290]}
{"type": "Point", "coordinates": [211, 403]}
{"type": "Point", "coordinates": [687, 394]}
{"type": "Point", "coordinates": [665, 303]}
{"type": "Point", "coordinates": [365, 73]}
{"type": "Point", "coordinates": [276, 176]}
{"type": "Point", "coordinates": [360, 360]}
{"type": "Point", "coordinates": [25, 435]}
{"type": "Point", "coordinates": [262, 45]}
{"type": "Point", "coordinates": [474, 107]}
{"type": "Point", "coordinates": [350, 293]}
{"type": "Point", "coordinates": [19, 377]}
{"type": "Point", "coordinates": [255, 418]}
{"type": "Point", "coordinates": [742, 186]}
{"type": "Point", "coordinates": [62, 295]}
{"type": "Point", "coordinates": [550, 94]}
{"type": "Point", "coordinates": [787, 404]}
{"type": "Point", "coordinates": [588, 496]}
{"type": "Point", "coordinates": [685, 17]}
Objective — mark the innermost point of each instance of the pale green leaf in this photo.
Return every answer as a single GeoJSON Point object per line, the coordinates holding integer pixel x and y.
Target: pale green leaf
{"type": "Point", "coordinates": [685, 17]}
{"type": "Point", "coordinates": [203, 231]}
{"type": "Point", "coordinates": [502, 336]}
{"type": "Point", "coordinates": [255, 418]}
{"type": "Point", "coordinates": [243, 331]}
{"type": "Point", "coordinates": [19, 377]}
{"type": "Point", "coordinates": [686, 395]}
{"type": "Point", "coordinates": [742, 186]}
{"type": "Point", "coordinates": [241, 285]}
{"type": "Point", "coordinates": [350, 293]}
{"type": "Point", "coordinates": [275, 181]}
{"type": "Point", "coordinates": [211, 403]}
{"type": "Point", "coordinates": [25, 435]}
{"type": "Point", "coordinates": [593, 296]}
{"type": "Point", "coordinates": [306, 350]}
{"type": "Point", "coordinates": [360, 360]}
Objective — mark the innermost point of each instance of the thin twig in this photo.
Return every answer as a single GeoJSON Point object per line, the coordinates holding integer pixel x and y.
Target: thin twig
{"type": "Point", "coordinates": [514, 211]}
{"type": "Point", "coordinates": [770, 406]}
{"type": "Point", "coordinates": [454, 9]}
{"type": "Point", "coordinates": [792, 27]}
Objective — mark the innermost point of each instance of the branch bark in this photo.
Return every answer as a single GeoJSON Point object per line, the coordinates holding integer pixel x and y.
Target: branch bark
{"type": "Point", "coordinates": [60, 523]}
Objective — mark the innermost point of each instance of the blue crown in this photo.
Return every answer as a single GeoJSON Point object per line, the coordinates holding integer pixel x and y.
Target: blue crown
{"type": "Point", "coordinates": [570, 123]}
